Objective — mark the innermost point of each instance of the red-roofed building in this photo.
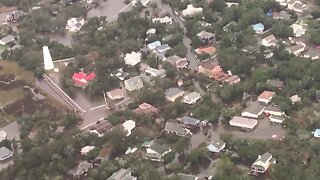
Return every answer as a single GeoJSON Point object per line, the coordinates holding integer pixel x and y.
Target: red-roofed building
{"type": "Point", "coordinates": [212, 70]}
{"type": "Point", "coordinates": [266, 96]}
{"type": "Point", "coordinates": [81, 79]}
{"type": "Point", "coordinates": [206, 50]}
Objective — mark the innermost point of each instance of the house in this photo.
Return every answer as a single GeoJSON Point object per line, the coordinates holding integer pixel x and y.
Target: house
{"type": "Point", "coordinates": [282, 2]}
{"type": "Point", "coordinates": [277, 119]}
{"type": "Point", "coordinates": [156, 151]}
{"type": "Point", "coordinates": [282, 15]}
{"type": "Point", "coordinates": [163, 20]}
{"type": "Point", "coordinates": [216, 146]}
{"type": "Point", "coordinates": [297, 49]}
{"type": "Point", "coordinates": [173, 93]}
{"type": "Point", "coordinates": [178, 62]}
{"type": "Point", "coordinates": [206, 50]}
{"type": "Point", "coordinates": [5, 153]}
{"type": "Point", "coordinates": [167, 38]}
{"type": "Point", "coordinates": [266, 96]}
{"type": "Point", "coordinates": [6, 40]}
{"type": "Point", "coordinates": [295, 98]}
{"type": "Point", "coordinates": [128, 126]}
{"type": "Point", "coordinates": [151, 31]}
{"type": "Point", "coordinates": [207, 37]}
{"type": "Point", "coordinates": [191, 11]}
{"type": "Point", "coordinates": [80, 171]}
{"type": "Point", "coordinates": [269, 41]}
{"type": "Point", "coordinates": [86, 149]}
{"type": "Point", "coordinates": [234, 79]}
{"type": "Point", "coordinates": [161, 51]}
{"type": "Point", "coordinates": [273, 110]}
{"type": "Point", "coordinates": [134, 83]}
{"type": "Point", "coordinates": [175, 128]}
{"type": "Point", "coordinates": [153, 45]}
{"type": "Point", "coordinates": [146, 108]}
{"type": "Point", "coordinates": [316, 133]}
{"type": "Point", "coordinates": [143, 2]}
{"type": "Point", "coordinates": [230, 26]}
{"type": "Point", "coordinates": [116, 94]}
{"type": "Point", "coordinates": [3, 135]}
{"type": "Point", "coordinates": [182, 176]}
{"type": "Point", "coordinates": [258, 28]}
{"type": "Point", "coordinates": [75, 24]}
{"type": "Point", "coordinates": [299, 29]}
{"type": "Point", "coordinates": [254, 110]}
{"type": "Point", "coordinates": [102, 128]}
{"type": "Point", "coordinates": [212, 70]}
{"type": "Point", "coordinates": [82, 80]}
{"type": "Point", "coordinates": [242, 122]}
{"type": "Point", "coordinates": [190, 122]}
{"type": "Point", "coordinates": [122, 174]}
{"type": "Point", "coordinates": [155, 72]}
{"type": "Point", "coordinates": [311, 54]}
{"type": "Point", "coordinates": [275, 83]}
{"type": "Point", "coordinates": [262, 163]}
{"type": "Point", "coordinates": [191, 98]}
{"type": "Point", "coordinates": [297, 6]}
{"type": "Point", "coordinates": [14, 16]}
{"type": "Point", "coordinates": [132, 58]}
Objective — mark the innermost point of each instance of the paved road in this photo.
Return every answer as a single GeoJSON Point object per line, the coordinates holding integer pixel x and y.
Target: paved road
{"type": "Point", "coordinates": [89, 117]}
{"type": "Point", "coordinates": [193, 62]}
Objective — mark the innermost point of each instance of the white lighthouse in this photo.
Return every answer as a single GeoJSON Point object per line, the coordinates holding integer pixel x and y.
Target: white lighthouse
{"type": "Point", "coordinates": [48, 64]}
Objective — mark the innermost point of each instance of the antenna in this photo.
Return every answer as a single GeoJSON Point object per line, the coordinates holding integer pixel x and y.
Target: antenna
{"type": "Point", "coordinates": [47, 59]}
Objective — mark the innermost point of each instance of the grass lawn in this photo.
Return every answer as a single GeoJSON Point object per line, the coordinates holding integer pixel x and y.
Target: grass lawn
{"type": "Point", "coordinates": [11, 96]}
{"type": "Point", "coordinates": [8, 97]}
{"type": "Point", "coordinates": [20, 73]}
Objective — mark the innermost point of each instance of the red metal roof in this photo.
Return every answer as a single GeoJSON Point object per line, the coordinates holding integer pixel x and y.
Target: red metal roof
{"type": "Point", "coordinates": [83, 79]}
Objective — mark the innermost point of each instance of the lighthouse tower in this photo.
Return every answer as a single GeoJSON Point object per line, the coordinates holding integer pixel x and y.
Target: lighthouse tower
{"type": "Point", "coordinates": [48, 64]}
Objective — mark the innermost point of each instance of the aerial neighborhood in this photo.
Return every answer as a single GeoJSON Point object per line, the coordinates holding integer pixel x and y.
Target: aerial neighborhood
{"type": "Point", "coordinates": [160, 89]}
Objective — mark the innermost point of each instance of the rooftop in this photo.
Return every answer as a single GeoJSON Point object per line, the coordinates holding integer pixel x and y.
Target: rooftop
{"type": "Point", "coordinates": [266, 95]}
{"type": "Point", "coordinates": [172, 92]}
{"type": "Point", "coordinates": [243, 122]}
{"type": "Point", "coordinates": [254, 108]}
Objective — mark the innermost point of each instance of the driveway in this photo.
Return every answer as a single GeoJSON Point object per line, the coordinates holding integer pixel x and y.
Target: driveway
{"type": "Point", "coordinates": [12, 131]}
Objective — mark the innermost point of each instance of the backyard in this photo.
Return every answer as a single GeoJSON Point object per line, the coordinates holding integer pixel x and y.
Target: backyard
{"type": "Point", "coordinates": [12, 80]}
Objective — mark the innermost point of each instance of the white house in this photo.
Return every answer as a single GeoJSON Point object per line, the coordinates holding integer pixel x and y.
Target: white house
{"type": "Point", "coordinates": [191, 98]}
{"type": "Point", "coordinates": [263, 163]}
{"type": "Point", "coordinates": [128, 126]}
{"type": "Point", "coordinates": [269, 41]}
{"type": "Point", "coordinates": [132, 58]}
{"type": "Point", "coordinates": [75, 24]}
{"type": "Point", "coordinates": [115, 94]}
{"type": "Point", "coordinates": [216, 146]}
{"type": "Point", "coordinates": [85, 150]}
{"type": "Point", "coordinates": [191, 10]}
{"type": "Point", "coordinates": [273, 110]}
{"type": "Point", "coordinates": [299, 29]}
{"type": "Point", "coordinates": [163, 20]}
{"type": "Point", "coordinates": [277, 119]}
{"type": "Point", "coordinates": [282, 2]}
